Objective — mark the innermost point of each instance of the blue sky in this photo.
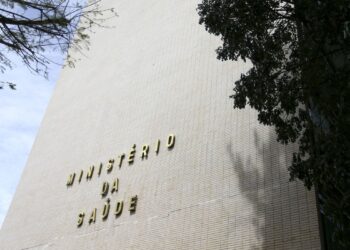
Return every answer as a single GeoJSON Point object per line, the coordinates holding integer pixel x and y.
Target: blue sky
{"type": "Point", "coordinates": [21, 112]}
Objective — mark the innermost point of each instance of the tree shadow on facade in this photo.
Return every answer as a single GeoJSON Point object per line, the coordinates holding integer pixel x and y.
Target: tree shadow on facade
{"type": "Point", "coordinates": [263, 181]}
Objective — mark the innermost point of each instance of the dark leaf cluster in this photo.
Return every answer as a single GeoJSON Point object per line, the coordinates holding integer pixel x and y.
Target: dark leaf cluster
{"type": "Point", "coordinates": [299, 83]}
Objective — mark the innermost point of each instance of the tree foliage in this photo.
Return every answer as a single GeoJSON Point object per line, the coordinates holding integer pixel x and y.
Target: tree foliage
{"type": "Point", "coordinates": [299, 83]}
{"type": "Point", "coordinates": [30, 28]}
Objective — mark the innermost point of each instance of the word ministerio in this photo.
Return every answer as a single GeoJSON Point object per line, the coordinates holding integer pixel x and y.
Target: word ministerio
{"type": "Point", "coordinates": [129, 158]}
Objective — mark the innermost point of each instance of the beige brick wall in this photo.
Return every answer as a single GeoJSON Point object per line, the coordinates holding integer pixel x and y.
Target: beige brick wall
{"type": "Point", "coordinates": [223, 186]}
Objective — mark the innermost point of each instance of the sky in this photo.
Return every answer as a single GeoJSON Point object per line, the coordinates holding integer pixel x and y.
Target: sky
{"type": "Point", "coordinates": [21, 112]}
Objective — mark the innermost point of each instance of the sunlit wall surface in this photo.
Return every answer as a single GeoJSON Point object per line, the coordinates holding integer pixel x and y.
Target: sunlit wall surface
{"type": "Point", "coordinates": [200, 176]}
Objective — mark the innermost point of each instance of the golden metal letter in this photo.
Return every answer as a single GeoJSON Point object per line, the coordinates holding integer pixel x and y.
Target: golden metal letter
{"type": "Point", "coordinates": [133, 203]}
{"type": "Point", "coordinates": [105, 188]}
{"type": "Point", "coordinates": [106, 209]}
{"type": "Point", "coordinates": [119, 208]}
{"type": "Point", "coordinates": [81, 175]}
{"type": "Point", "coordinates": [100, 169]}
{"type": "Point", "coordinates": [90, 172]}
{"type": "Point", "coordinates": [145, 149]}
{"type": "Point", "coordinates": [110, 165]}
{"type": "Point", "coordinates": [121, 158]}
{"type": "Point", "coordinates": [80, 219]}
{"type": "Point", "coordinates": [132, 154]}
{"type": "Point", "coordinates": [157, 146]}
{"type": "Point", "coordinates": [115, 186]}
{"type": "Point", "coordinates": [70, 179]}
{"type": "Point", "coordinates": [92, 218]}
{"type": "Point", "coordinates": [171, 141]}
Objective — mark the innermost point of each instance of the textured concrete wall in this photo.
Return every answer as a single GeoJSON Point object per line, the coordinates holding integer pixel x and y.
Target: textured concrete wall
{"type": "Point", "coordinates": [223, 186]}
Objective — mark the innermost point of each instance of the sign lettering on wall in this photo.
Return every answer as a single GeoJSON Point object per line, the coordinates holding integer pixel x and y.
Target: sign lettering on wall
{"type": "Point", "coordinates": [109, 188]}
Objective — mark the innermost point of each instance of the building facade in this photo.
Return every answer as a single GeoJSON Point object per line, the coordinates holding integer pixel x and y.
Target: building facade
{"type": "Point", "coordinates": [140, 148]}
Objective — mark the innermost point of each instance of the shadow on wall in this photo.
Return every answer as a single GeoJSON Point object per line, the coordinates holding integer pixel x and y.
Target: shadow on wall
{"type": "Point", "coordinates": [263, 180]}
